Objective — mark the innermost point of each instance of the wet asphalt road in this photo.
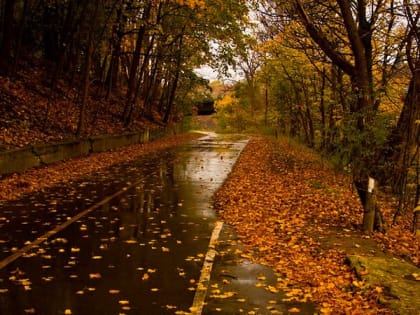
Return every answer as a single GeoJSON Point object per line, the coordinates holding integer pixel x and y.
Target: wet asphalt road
{"type": "Point", "coordinates": [140, 253]}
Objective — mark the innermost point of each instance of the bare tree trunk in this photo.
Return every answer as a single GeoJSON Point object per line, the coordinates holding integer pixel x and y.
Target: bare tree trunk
{"type": "Point", "coordinates": [20, 37]}
{"type": "Point", "coordinates": [151, 90]}
{"type": "Point", "coordinates": [67, 37]}
{"type": "Point", "coordinates": [140, 79]}
{"type": "Point", "coordinates": [322, 111]}
{"type": "Point", "coordinates": [6, 44]}
{"type": "Point", "coordinates": [112, 75]}
{"type": "Point", "coordinates": [406, 135]}
{"type": "Point", "coordinates": [132, 78]}
{"type": "Point", "coordinates": [176, 78]}
{"type": "Point", "coordinates": [85, 87]}
{"type": "Point", "coordinates": [86, 76]}
{"type": "Point", "coordinates": [266, 107]}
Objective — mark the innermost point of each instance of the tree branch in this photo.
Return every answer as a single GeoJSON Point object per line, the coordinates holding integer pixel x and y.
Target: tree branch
{"type": "Point", "coordinates": [322, 41]}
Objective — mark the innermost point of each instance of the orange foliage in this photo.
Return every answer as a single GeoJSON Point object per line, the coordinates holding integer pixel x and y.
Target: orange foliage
{"type": "Point", "coordinates": [296, 211]}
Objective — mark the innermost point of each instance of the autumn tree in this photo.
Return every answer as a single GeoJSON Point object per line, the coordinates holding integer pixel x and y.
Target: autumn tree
{"type": "Point", "coordinates": [139, 55]}
{"type": "Point", "coordinates": [170, 43]}
{"type": "Point", "coordinates": [405, 137]}
{"type": "Point", "coordinates": [353, 39]}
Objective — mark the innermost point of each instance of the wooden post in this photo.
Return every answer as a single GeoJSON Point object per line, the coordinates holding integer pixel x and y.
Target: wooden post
{"type": "Point", "coordinates": [370, 206]}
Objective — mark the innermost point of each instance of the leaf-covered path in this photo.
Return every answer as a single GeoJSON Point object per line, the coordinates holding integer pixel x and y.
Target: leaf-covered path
{"type": "Point", "coordinates": [293, 212]}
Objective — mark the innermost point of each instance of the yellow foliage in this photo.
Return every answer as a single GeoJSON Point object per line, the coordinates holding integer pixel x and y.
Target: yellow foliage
{"type": "Point", "coordinates": [226, 101]}
{"type": "Point", "coordinates": [192, 3]}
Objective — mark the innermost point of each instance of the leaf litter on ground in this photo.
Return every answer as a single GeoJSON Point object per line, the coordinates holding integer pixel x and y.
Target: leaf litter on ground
{"type": "Point", "coordinates": [294, 212]}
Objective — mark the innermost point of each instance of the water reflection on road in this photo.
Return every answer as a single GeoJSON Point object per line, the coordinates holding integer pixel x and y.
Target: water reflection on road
{"type": "Point", "coordinates": [141, 253]}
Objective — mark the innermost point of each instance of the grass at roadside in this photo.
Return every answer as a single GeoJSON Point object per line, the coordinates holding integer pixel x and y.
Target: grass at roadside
{"type": "Point", "coordinates": [295, 213]}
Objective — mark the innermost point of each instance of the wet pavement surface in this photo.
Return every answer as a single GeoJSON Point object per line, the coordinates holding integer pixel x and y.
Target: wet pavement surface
{"type": "Point", "coordinates": [239, 286]}
{"type": "Point", "coordinates": [140, 253]}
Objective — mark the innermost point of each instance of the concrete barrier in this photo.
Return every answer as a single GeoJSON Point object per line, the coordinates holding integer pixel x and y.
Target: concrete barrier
{"type": "Point", "coordinates": [18, 160]}
{"type": "Point", "coordinates": [145, 136]}
{"type": "Point", "coordinates": [105, 143]}
{"type": "Point", "coordinates": [52, 153]}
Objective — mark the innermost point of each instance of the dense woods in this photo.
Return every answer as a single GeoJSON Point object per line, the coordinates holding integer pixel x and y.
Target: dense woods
{"type": "Point", "coordinates": [127, 59]}
{"type": "Point", "coordinates": [343, 76]}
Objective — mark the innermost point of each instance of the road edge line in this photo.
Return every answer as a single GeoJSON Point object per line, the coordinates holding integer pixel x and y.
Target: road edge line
{"type": "Point", "coordinates": [203, 282]}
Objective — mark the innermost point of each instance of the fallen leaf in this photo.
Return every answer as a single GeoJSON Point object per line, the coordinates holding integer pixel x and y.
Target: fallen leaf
{"type": "Point", "coordinates": [224, 295]}
{"type": "Point", "coordinates": [113, 291]}
{"type": "Point", "coordinates": [95, 276]}
{"type": "Point", "coordinates": [272, 289]}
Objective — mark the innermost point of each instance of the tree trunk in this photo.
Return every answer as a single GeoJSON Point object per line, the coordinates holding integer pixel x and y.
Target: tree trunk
{"type": "Point", "coordinates": [6, 44]}
{"type": "Point", "coordinates": [309, 126]}
{"type": "Point", "coordinates": [140, 79]}
{"type": "Point", "coordinates": [20, 37]}
{"type": "Point", "coordinates": [85, 87]}
{"type": "Point", "coordinates": [132, 78]}
{"type": "Point", "coordinates": [151, 90]}
{"type": "Point", "coordinates": [416, 223]}
{"type": "Point", "coordinates": [171, 98]}
{"type": "Point", "coordinates": [266, 106]}
{"type": "Point", "coordinates": [405, 136]}
{"type": "Point", "coordinates": [370, 206]}
{"type": "Point", "coordinates": [322, 111]}
{"type": "Point", "coordinates": [363, 165]}
{"type": "Point", "coordinates": [86, 76]}
{"type": "Point", "coordinates": [67, 35]}
{"type": "Point", "coordinates": [112, 75]}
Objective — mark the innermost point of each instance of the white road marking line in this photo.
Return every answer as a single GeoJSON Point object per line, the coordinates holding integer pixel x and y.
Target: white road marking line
{"type": "Point", "coordinates": [61, 227]}
{"type": "Point", "coordinates": [203, 282]}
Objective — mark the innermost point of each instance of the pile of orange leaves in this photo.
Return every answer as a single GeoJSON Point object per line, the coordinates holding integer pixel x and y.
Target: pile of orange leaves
{"type": "Point", "coordinates": [295, 213]}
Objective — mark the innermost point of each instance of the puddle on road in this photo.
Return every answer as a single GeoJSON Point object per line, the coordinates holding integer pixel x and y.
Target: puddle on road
{"type": "Point", "coordinates": [240, 286]}
{"type": "Point", "coordinates": [139, 254]}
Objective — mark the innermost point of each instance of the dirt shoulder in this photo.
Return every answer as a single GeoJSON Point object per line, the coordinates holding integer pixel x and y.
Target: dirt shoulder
{"type": "Point", "coordinates": [293, 212]}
